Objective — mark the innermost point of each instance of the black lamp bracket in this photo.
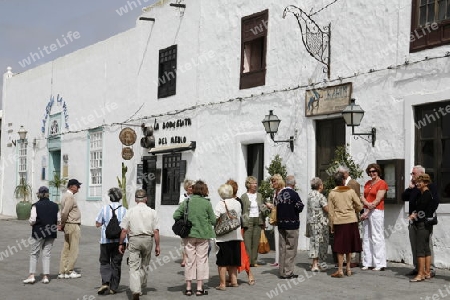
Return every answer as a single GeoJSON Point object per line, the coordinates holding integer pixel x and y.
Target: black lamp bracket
{"type": "Point", "coordinates": [372, 134]}
{"type": "Point", "coordinates": [290, 141]}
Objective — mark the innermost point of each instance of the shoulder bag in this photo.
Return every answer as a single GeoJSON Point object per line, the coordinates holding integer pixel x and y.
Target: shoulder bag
{"type": "Point", "coordinates": [182, 226]}
{"type": "Point", "coordinates": [227, 221]}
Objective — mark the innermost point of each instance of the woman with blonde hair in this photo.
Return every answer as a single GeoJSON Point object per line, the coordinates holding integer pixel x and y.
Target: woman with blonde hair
{"type": "Point", "coordinates": [277, 182]}
{"type": "Point", "coordinates": [253, 218]}
{"type": "Point", "coordinates": [422, 231]}
{"type": "Point", "coordinates": [229, 244]}
{"type": "Point", "coordinates": [245, 261]}
{"type": "Point", "coordinates": [187, 184]}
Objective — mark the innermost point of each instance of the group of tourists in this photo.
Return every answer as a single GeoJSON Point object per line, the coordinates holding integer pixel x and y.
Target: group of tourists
{"type": "Point", "coordinates": [344, 214]}
{"type": "Point", "coordinates": [356, 221]}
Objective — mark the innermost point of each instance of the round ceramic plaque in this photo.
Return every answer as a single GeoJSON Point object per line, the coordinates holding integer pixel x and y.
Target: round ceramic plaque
{"type": "Point", "coordinates": [127, 136]}
{"type": "Point", "coordinates": [127, 153]}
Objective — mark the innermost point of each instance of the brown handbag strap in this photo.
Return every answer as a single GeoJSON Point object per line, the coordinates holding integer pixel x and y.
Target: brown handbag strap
{"type": "Point", "coordinates": [226, 208]}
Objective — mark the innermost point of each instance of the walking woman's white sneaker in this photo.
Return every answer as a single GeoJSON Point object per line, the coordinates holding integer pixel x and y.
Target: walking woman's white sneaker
{"type": "Point", "coordinates": [30, 280]}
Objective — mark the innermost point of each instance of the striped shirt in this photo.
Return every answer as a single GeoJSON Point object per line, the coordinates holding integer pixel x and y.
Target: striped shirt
{"type": "Point", "coordinates": [105, 215]}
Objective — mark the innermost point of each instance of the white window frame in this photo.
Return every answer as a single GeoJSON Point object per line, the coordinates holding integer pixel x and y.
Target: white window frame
{"type": "Point", "coordinates": [95, 164]}
{"type": "Point", "coordinates": [22, 161]}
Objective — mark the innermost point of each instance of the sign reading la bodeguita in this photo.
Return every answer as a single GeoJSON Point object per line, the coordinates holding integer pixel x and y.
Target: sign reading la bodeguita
{"type": "Point", "coordinates": [328, 100]}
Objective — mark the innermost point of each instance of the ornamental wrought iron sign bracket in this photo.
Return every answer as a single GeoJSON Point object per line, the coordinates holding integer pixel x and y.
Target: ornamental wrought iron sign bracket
{"type": "Point", "coordinates": [315, 39]}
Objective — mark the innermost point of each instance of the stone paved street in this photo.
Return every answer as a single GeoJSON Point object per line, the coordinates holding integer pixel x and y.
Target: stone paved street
{"type": "Point", "coordinates": [166, 276]}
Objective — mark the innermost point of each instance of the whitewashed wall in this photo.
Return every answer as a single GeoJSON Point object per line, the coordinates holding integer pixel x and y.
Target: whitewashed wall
{"type": "Point", "coordinates": [123, 71]}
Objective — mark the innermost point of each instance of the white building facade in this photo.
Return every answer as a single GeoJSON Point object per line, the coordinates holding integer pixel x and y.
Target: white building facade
{"type": "Point", "coordinates": [206, 75]}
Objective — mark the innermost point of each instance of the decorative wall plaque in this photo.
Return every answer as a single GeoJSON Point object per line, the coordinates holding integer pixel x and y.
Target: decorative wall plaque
{"type": "Point", "coordinates": [127, 136]}
{"type": "Point", "coordinates": [127, 153]}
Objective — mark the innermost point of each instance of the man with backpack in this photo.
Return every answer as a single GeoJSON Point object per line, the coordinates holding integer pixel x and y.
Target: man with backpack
{"type": "Point", "coordinates": [109, 219]}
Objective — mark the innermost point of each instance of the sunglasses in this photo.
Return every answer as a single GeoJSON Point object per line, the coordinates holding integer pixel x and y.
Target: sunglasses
{"type": "Point", "coordinates": [372, 171]}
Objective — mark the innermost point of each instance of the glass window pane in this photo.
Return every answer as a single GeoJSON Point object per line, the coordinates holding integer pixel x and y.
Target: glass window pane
{"type": "Point", "coordinates": [447, 16]}
{"type": "Point", "coordinates": [430, 17]}
{"type": "Point", "coordinates": [442, 9]}
{"type": "Point", "coordinates": [444, 187]}
{"type": "Point", "coordinates": [445, 123]}
{"type": "Point", "coordinates": [446, 153]}
{"type": "Point", "coordinates": [426, 121]}
{"type": "Point", "coordinates": [427, 150]}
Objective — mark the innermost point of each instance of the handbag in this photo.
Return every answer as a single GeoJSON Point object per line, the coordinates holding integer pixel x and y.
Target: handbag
{"type": "Point", "coordinates": [431, 221]}
{"type": "Point", "coordinates": [182, 226]}
{"type": "Point", "coordinates": [308, 230]}
{"type": "Point", "coordinates": [273, 216]}
{"type": "Point", "coordinates": [263, 246]}
{"type": "Point", "coordinates": [227, 221]}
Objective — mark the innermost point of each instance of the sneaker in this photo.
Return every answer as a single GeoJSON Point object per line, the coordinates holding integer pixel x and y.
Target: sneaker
{"type": "Point", "coordinates": [378, 269]}
{"type": "Point", "coordinates": [365, 268]}
{"type": "Point", "coordinates": [63, 276]}
{"type": "Point", "coordinates": [30, 280]}
{"type": "Point", "coordinates": [45, 280]}
{"type": "Point", "coordinates": [103, 289]}
{"type": "Point", "coordinates": [112, 292]}
{"type": "Point", "coordinates": [73, 275]}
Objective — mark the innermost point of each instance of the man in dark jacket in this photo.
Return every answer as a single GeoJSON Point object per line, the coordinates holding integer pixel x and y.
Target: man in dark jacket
{"type": "Point", "coordinates": [289, 206]}
{"type": "Point", "coordinates": [44, 218]}
{"type": "Point", "coordinates": [411, 194]}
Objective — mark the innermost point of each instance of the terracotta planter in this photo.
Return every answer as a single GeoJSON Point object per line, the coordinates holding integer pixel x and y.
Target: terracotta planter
{"type": "Point", "coordinates": [23, 210]}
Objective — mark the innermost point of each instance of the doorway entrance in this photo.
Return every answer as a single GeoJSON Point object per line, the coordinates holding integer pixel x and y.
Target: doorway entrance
{"type": "Point", "coordinates": [330, 134]}
{"type": "Point", "coordinates": [54, 169]}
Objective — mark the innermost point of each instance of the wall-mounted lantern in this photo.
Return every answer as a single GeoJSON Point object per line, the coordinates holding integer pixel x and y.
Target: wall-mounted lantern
{"type": "Point", "coordinates": [22, 135]}
{"type": "Point", "coordinates": [353, 115]}
{"type": "Point", "coordinates": [271, 123]}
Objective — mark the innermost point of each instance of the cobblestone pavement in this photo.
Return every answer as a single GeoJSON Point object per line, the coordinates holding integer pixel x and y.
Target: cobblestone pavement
{"type": "Point", "coordinates": [166, 280]}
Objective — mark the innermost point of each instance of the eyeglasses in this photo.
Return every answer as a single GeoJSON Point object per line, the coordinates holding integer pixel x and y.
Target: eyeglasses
{"type": "Point", "coordinates": [372, 171]}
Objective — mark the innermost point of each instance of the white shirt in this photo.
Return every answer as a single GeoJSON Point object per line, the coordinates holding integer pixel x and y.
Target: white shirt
{"type": "Point", "coordinates": [254, 209]}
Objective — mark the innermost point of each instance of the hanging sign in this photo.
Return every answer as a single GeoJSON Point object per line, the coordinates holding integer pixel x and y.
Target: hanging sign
{"type": "Point", "coordinates": [328, 100]}
{"type": "Point", "coordinates": [127, 136]}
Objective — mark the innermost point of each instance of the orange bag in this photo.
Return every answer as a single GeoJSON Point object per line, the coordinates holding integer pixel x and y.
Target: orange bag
{"type": "Point", "coordinates": [263, 246]}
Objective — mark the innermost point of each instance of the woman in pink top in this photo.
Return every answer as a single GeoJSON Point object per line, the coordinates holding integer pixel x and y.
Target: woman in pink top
{"type": "Point", "coordinates": [374, 247]}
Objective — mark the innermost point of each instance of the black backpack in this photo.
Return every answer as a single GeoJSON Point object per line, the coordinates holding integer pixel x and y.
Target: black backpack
{"type": "Point", "coordinates": [113, 229]}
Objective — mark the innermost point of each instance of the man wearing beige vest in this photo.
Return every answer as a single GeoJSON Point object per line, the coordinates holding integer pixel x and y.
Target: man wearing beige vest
{"type": "Point", "coordinates": [70, 224]}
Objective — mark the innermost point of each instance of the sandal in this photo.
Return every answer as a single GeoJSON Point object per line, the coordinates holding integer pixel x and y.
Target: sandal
{"type": "Point", "coordinates": [251, 282]}
{"type": "Point", "coordinates": [201, 293]}
{"type": "Point", "coordinates": [229, 284]}
{"type": "Point", "coordinates": [220, 288]}
{"type": "Point", "coordinates": [418, 278]}
{"type": "Point", "coordinates": [188, 292]}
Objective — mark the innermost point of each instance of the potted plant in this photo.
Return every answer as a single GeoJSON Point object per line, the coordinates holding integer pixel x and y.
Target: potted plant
{"type": "Point", "coordinates": [23, 192]}
{"type": "Point", "coordinates": [58, 183]}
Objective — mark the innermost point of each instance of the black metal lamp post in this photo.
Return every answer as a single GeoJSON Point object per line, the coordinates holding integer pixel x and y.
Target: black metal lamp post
{"type": "Point", "coordinates": [353, 115]}
{"type": "Point", "coordinates": [271, 123]}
